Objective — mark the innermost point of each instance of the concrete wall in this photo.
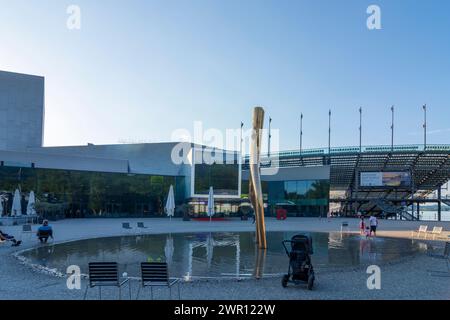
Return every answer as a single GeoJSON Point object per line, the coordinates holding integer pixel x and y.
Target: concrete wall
{"type": "Point", "coordinates": [21, 111]}
{"type": "Point", "coordinates": [154, 158]}
{"type": "Point", "coordinates": [63, 162]}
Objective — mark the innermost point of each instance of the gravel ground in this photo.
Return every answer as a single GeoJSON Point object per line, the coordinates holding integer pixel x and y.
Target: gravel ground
{"type": "Point", "coordinates": [406, 279]}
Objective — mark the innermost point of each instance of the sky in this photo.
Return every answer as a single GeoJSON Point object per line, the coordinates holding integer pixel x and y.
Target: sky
{"type": "Point", "coordinates": [137, 71]}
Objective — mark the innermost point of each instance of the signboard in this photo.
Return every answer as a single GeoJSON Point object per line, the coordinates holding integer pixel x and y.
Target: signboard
{"type": "Point", "coordinates": [385, 179]}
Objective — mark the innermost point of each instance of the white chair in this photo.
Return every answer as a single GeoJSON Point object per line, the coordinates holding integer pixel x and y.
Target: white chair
{"type": "Point", "coordinates": [437, 231]}
{"type": "Point", "coordinates": [345, 225]}
{"type": "Point", "coordinates": [422, 229]}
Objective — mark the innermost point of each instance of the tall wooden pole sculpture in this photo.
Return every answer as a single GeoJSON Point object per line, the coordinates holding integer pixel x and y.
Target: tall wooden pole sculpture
{"type": "Point", "coordinates": [256, 195]}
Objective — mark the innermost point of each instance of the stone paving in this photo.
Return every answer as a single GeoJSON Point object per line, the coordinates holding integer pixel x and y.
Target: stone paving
{"type": "Point", "coordinates": [406, 279]}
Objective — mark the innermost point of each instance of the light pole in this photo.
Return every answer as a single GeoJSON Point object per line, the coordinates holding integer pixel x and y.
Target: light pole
{"type": "Point", "coordinates": [240, 147]}
{"type": "Point", "coordinates": [301, 132]}
{"type": "Point", "coordinates": [392, 129]}
{"type": "Point", "coordinates": [424, 127]}
{"type": "Point", "coordinates": [329, 131]}
{"type": "Point", "coordinates": [360, 129]}
{"type": "Point", "coordinates": [270, 136]}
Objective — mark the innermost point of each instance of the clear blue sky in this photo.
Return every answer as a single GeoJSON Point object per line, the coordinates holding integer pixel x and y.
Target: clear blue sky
{"type": "Point", "coordinates": [137, 70]}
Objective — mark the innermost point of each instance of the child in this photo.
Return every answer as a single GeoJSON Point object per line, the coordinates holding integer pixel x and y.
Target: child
{"type": "Point", "coordinates": [362, 226]}
{"type": "Point", "coordinates": [367, 232]}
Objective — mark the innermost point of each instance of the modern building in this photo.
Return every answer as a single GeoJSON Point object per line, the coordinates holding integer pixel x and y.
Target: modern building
{"type": "Point", "coordinates": [386, 180]}
{"type": "Point", "coordinates": [21, 111]}
{"type": "Point", "coordinates": [134, 179]}
{"type": "Point", "coordinates": [128, 179]}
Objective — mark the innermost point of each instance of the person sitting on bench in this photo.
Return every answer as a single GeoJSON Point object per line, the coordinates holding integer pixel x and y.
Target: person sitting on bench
{"type": "Point", "coordinates": [44, 232]}
{"type": "Point", "coordinates": [7, 237]}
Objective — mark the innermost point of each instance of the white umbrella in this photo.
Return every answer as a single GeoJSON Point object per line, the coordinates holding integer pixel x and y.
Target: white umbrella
{"type": "Point", "coordinates": [16, 209]}
{"type": "Point", "coordinates": [210, 211]}
{"type": "Point", "coordinates": [168, 249]}
{"type": "Point", "coordinates": [170, 204]}
{"type": "Point", "coordinates": [31, 211]}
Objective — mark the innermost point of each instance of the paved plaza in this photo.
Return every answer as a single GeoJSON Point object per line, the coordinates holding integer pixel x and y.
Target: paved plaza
{"type": "Point", "coordinates": [405, 279]}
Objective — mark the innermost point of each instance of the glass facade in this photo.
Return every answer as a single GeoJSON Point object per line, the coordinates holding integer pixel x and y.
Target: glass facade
{"type": "Point", "coordinates": [73, 194]}
{"type": "Point", "coordinates": [224, 178]}
{"type": "Point", "coordinates": [303, 198]}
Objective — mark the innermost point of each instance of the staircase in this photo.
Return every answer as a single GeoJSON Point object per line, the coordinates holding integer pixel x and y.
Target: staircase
{"type": "Point", "coordinates": [389, 209]}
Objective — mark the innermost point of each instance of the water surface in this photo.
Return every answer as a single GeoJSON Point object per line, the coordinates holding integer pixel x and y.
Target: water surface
{"type": "Point", "coordinates": [224, 254]}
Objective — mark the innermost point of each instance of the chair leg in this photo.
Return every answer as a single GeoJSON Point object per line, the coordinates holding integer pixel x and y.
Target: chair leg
{"type": "Point", "coordinates": [120, 293]}
{"type": "Point", "coordinates": [151, 290]}
{"type": "Point", "coordinates": [170, 293]}
{"type": "Point", "coordinates": [129, 288]}
{"type": "Point", "coordinates": [139, 291]}
{"type": "Point", "coordinates": [100, 292]}
{"type": "Point", "coordinates": [179, 294]}
{"type": "Point", "coordinates": [85, 292]}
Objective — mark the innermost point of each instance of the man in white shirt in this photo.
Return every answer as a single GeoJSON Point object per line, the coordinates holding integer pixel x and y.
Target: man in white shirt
{"type": "Point", "coordinates": [373, 223]}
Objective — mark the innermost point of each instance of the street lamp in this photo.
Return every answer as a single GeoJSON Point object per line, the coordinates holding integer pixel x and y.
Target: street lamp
{"type": "Point", "coordinates": [424, 127]}
{"type": "Point", "coordinates": [392, 129]}
{"type": "Point", "coordinates": [329, 131]}
{"type": "Point", "coordinates": [360, 129]}
{"type": "Point", "coordinates": [301, 132]}
{"type": "Point", "coordinates": [270, 136]}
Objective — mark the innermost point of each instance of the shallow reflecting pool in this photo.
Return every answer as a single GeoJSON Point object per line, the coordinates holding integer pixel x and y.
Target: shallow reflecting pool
{"type": "Point", "coordinates": [202, 255]}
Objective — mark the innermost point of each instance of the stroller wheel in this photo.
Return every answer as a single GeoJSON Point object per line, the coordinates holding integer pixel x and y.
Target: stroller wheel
{"type": "Point", "coordinates": [310, 281]}
{"type": "Point", "coordinates": [284, 280]}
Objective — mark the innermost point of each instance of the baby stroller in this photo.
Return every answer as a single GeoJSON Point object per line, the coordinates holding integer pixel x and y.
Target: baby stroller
{"type": "Point", "coordinates": [298, 249]}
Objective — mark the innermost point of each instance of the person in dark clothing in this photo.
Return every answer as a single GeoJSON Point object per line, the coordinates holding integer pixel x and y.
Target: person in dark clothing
{"type": "Point", "coordinates": [7, 237]}
{"type": "Point", "coordinates": [44, 232]}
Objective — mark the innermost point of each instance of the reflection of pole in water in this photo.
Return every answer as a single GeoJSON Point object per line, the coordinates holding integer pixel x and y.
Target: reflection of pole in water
{"type": "Point", "coordinates": [189, 272]}
{"type": "Point", "coordinates": [259, 263]}
{"type": "Point", "coordinates": [238, 258]}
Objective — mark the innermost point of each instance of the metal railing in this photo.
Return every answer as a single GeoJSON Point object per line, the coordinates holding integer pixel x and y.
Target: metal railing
{"type": "Point", "coordinates": [356, 149]}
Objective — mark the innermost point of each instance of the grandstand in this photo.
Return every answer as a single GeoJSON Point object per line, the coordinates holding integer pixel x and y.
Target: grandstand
{"type": "Point", "coordinates": [423, 169]}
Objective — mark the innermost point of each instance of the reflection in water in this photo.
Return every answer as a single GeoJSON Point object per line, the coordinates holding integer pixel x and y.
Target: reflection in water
{"type": "Point", "coordinates": [260, 262]}
{"type": "Point", "coordinates": [168, 249]}
{"type": "Point", "coordinates": [201, 255]}
{"type": "Point", "coordinates": [228, 241]}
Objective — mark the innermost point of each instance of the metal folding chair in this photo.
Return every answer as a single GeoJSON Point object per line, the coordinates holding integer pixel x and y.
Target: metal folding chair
{"type": "Point", "coordinates": [127, 227]}
{"type": "Point", "coordinates": [27, 229]}
{"type": "Point", "coordinates": [155, 274]}
{"type": "Point", "coordinates": [105, 274]}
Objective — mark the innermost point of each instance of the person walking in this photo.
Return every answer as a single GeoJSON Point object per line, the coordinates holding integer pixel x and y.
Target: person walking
{"type": "Point", "coordinates": [373, 223]}
{"type": "Point", "coordinates": [362, 225]}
